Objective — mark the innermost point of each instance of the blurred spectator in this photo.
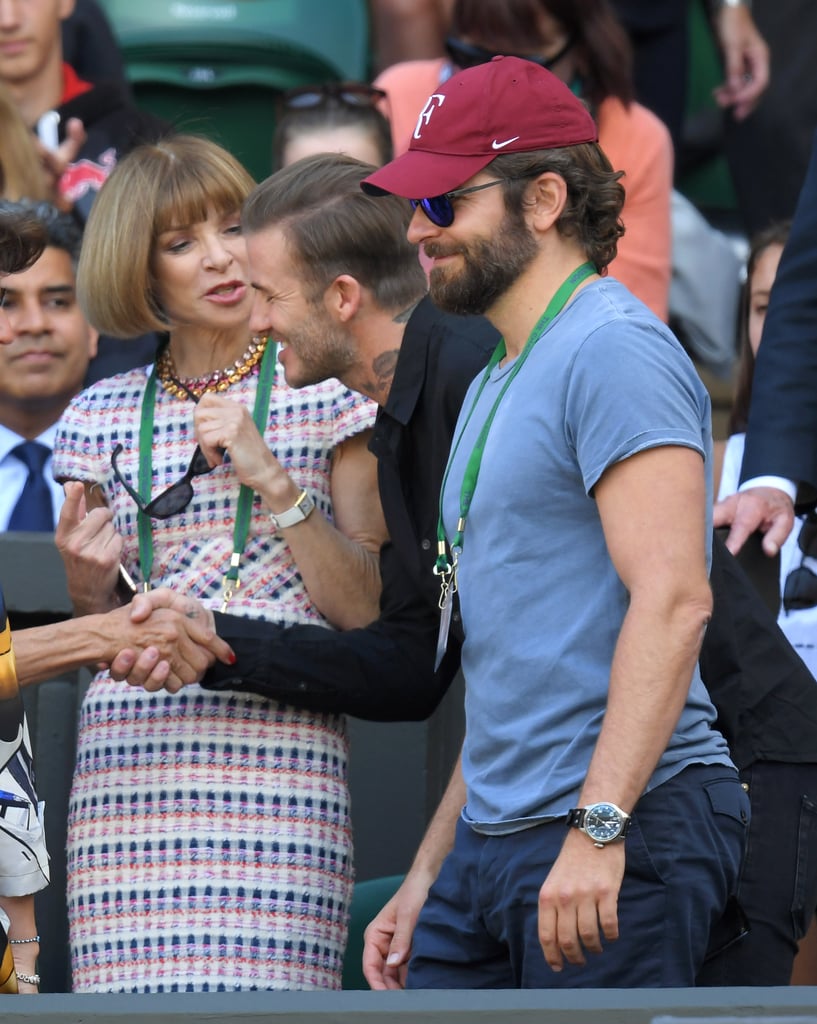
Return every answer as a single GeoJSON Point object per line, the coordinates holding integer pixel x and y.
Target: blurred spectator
{"type": "Point", "coordinates": [21, 172]}
{"type": "Point", "coordinates": [407, 29]}
{"type": "Point", "coordinates": [49, 92]}
{"type": "Point", "coordinates": [54, 100]}
{"type": "Point", "coordinates": [90, 46]}
{"type": "Point", "coordinates": [659, 31]}
{"type": "Point", "coordinates": [331, 118]}
{"type": "Point", "coordinates": [768, 152]}
{"type": "Point", "coordinates": [27, 169]}
{"type": "Point", "coordinates": [41, 370]}
{"type": "Point", "coordinates": [582, 43]}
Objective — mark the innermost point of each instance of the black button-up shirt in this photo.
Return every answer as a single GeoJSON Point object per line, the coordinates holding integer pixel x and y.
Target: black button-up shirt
{"type": "Point", "coordinates": [386, 670]}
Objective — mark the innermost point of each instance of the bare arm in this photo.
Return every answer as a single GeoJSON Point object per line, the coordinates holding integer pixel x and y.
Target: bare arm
{"type": "Point", "coordinates": [22, 925]}
{"type": "Point", "coordinates": [388, 938]}
{"type": "Point", "coordinates": [745, 60]}
{"type": "Point", "coordinates": [652, 508]}
{"type": "Point", "coordinates": [181, 635]}
{"type": "Point", "coordinates": [338, 562]}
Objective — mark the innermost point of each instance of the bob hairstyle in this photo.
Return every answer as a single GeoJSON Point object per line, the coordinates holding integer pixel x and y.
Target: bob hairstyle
{"type": "Point", "coordinates": [157, 186]}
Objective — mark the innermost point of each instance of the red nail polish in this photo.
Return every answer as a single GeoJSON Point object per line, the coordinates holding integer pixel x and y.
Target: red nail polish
{"type": "Point", "coordinates": [231, 658]}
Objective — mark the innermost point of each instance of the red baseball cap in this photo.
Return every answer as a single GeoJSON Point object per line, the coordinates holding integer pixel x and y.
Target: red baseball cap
{"type": "Point", "coordinates": [508, 105]}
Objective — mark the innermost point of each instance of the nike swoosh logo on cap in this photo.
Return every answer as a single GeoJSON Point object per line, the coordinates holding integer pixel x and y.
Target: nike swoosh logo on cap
{"type": "Point", "coordinates": [502, 145]}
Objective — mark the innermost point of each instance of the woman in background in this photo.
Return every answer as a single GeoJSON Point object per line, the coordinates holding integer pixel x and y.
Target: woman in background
{"type": "Point", "coordinates": [332, 117]}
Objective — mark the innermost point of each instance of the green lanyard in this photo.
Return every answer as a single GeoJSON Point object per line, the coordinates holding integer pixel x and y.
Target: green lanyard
{"type": "Point", "coordinates": [241, 530]}
{"type": "Point", "coordinates": [445, 567]}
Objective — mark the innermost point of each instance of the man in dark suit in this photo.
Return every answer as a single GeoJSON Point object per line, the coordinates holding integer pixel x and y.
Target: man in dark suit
{"type": "Point", "coordinates": [780, 461]}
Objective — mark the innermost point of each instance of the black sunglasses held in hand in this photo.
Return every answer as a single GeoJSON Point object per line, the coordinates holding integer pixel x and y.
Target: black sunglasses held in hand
{"type": "Point", "coordinates": [176, 498]}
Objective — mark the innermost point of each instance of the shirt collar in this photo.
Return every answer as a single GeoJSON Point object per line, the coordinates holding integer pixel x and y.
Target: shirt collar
{"type": "Point", "coordinates": [9, 440]}
{"type": "Point", "coordinates": [410, 371]}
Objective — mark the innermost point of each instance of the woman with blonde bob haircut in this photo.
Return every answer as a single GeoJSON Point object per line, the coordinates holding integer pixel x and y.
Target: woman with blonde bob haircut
{"type": "Point", "coordinates": [167, 183]}
{"type": "Point", "coordinates": [209, 842]}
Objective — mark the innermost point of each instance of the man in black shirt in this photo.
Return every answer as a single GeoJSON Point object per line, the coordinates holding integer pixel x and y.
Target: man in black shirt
{"type": "Point", "coordinates": [416, 363]}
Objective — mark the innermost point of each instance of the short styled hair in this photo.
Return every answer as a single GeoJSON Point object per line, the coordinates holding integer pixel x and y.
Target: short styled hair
{"type": "Point", "coordinates": [595, 196]}
{"type": "Point", "coordinates": [157, 186]}
{"type": "Point", "coordinates": [62, 230]}
{"type": "Point", "coordinates": [22, 240]}
{"type": "Point", "coordinates": [334, 228]}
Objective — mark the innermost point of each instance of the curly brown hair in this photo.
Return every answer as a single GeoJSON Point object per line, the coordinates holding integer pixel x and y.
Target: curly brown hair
{"type": "Point", "coordinates": [592, 214]}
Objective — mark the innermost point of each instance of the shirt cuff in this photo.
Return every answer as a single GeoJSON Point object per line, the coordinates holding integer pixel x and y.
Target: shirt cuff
{"type": "Point", "coordinates": [779, 482]}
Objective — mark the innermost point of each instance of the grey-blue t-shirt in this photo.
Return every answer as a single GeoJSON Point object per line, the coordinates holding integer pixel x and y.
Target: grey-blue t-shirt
{"type": "Point", "coordinates": [542, 604]}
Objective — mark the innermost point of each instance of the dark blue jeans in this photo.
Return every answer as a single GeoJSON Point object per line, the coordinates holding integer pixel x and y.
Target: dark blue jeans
{"type": "Point", "coordinates": [778, 881]}
{"type": "Point", "coordinates": [478, 928]}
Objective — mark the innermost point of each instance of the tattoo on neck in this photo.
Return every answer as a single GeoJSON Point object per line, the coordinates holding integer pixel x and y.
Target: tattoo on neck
{"type": "Point", "coordinates": [403, 317]}
{"type": "Point", "coordinates": [383, 373]}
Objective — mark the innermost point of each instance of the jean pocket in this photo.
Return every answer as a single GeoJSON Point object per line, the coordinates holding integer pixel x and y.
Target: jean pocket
{"type": "Point", "coordinates": [728, 797]}
{"type": "Point", "coordinates": [804, 898]}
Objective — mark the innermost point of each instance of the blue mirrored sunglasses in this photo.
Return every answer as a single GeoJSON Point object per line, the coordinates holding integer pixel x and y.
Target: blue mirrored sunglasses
{"type": "Point", "coordinates": [440, 210]}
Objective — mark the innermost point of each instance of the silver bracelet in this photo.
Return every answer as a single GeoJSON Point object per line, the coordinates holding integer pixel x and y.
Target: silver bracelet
{"type": "Point", "coordinates": [29, 979]}
{"type": "Point", "coordinates": [22, 942]}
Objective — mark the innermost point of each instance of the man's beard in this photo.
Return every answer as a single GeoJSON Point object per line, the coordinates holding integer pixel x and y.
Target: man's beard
{"type": "Point", "coordinates": [490, 267]}
{"type": "Point", "coordinates": [322, 351]}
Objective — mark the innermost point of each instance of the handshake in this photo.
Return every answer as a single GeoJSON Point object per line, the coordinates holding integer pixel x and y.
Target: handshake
{"type": "Point", "coordinates": [162, 639]}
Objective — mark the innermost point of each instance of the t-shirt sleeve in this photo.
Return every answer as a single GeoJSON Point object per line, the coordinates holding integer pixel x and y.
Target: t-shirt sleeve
{"type": "Point", "coordinates": [631, 388]}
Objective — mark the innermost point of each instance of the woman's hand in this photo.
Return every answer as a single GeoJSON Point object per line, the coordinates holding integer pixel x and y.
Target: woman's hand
{"type": "Point", "coordinates": [223, 425]}
{"type": "Point", "coordinates": [91, 549]}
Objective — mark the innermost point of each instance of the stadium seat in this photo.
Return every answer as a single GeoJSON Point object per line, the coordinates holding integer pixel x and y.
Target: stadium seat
{"type": "Point", "coordinates": [215, 67]}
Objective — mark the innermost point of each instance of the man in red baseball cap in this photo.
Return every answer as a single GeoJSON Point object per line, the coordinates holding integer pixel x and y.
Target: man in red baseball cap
{"type": "Point", "coordinates": [602, 822]}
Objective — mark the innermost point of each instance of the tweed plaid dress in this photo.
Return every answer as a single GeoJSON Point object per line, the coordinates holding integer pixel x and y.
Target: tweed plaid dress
{"type": "Point", "coordinates": [209, 842]}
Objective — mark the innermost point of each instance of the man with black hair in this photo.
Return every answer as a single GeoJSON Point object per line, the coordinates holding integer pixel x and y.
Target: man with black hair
{"type": "Point", "coordinates": [41, 369]}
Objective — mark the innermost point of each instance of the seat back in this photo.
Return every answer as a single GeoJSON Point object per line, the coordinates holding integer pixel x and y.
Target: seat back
{"type": "Point", "coordinates": [215, 67]}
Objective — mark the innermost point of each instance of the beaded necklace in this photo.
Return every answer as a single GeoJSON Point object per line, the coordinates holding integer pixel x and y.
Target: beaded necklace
{"type": "Point", "coordinates": [218, 380]}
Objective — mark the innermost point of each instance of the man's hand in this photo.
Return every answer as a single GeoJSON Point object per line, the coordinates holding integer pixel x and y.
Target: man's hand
{"type": "Point", "coordinates": [387, 940]}
{"type": "Point", "coordinates": [91, 549]}
{"type": "Point", "coordinates": [745, 59]}
{"type": "Point", "coordinates": [169, 641]}
{"type": "Point", "coordinates": [757, 508]}
{"type": "Point", "coordinates": [578, 903]}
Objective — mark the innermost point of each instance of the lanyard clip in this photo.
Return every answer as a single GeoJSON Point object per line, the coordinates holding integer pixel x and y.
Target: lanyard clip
{"type": "Point", "coordinates": [231, 583]}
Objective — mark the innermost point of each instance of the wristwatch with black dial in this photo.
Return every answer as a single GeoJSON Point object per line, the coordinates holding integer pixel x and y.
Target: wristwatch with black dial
{"type": "Point", "coordinates": [604, 823]}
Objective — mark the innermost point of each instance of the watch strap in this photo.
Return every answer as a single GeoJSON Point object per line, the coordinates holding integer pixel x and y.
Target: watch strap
{"type": "Point", "coordinates": [576, 818]}
{"type": "Point", "coordinates": [302, 509]}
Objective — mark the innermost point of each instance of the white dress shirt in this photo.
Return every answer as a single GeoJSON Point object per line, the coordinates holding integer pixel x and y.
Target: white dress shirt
{"type": "Point", "coordinates": [13, 473]}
